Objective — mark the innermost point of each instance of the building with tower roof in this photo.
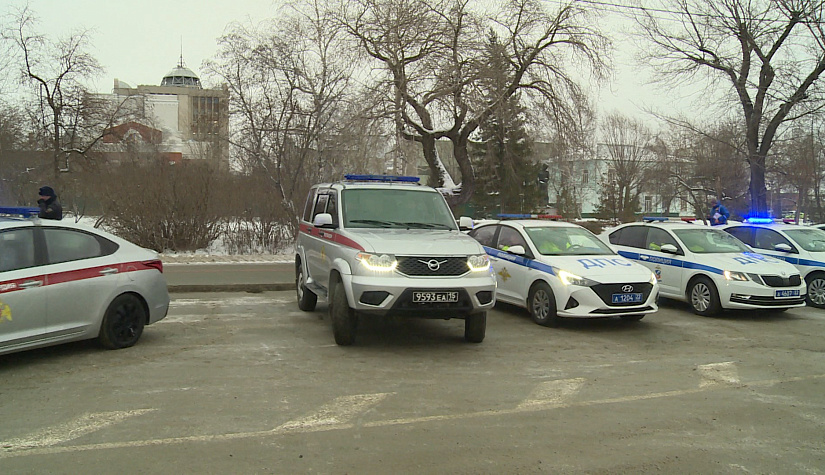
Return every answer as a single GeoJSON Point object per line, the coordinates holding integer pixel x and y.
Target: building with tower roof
{"type": "Point", "coordinates": [179, 118]}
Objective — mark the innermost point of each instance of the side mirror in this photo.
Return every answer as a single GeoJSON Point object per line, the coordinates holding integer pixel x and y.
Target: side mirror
{"type": "Point", "coordinates": [323, 220]}
{"type": "Point", "coordinates": [516, 250]}
{"type": "Point", "coordinates": [465, 223]}
{"type": "Point", "coordinates": [782, 247]}
{"type": "Point", "coordinates": [669, 248]}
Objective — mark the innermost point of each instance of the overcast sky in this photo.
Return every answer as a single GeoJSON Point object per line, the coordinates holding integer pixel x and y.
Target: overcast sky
{"type": "Point", "coordinates": [140, 41]}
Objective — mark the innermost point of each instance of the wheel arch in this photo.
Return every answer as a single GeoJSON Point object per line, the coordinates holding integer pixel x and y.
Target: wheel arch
{"type": "Point", "coordinates": [140, 298]}
{"type": "Point", "coordinates": [696, 277]}
{"type": "Point", "coordinates": [540, 280]}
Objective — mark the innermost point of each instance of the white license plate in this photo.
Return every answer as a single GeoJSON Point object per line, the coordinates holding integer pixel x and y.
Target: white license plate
{"type": "Point", "coordinates": [425, 297]}
{"type": "Point", "coordinates": [626, 298]}
{"type": "Point", "coordinates": [783, 294]}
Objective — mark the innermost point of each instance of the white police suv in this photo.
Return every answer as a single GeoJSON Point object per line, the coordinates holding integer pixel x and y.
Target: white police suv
{"type": "Point", "coordinates": [387, 245]}
{"type": "Point", "coordinates": [561, 270]}
{"type": "Point", "coordinates": [802, 246]}
{"type": "Point", "coordinates": [707, 267]}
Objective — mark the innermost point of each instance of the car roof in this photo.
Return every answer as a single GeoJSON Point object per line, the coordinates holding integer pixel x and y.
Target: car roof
{"type": "Point", "coordinates": [530, 223]}
{"type": "Point", "coordinates": [663, 225]}
{"type": "Point", "coordinates": [779, 226]}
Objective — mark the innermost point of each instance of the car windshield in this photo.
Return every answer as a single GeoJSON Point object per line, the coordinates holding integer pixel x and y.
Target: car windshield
{"type": "Point", "coordinates": [566, 241]}
{"type": "Point", "coordinates": [396, 208]}
{"type": "Point", "coordinates": [710, 241]}
{"type": "Point", "coordinates": [810, 239]}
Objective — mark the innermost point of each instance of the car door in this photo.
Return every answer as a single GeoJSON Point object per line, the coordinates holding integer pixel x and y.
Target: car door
{"type": "Point", "coordinates": [22, 290]}
{"type": "Point", "coordinates": [82, 276]}
{"type": "Point", "coordinates": [511, 269]}
{"type": "Point", "coordinates": [664, 264]}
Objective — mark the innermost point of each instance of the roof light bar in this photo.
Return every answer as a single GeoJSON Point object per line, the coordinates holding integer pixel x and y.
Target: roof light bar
{"type": "Point", "coordinates": [23, 211]}
{"type": "Point", "coordinates": [650, 219]}
{"type": "Point", "coordinates": [554, 217]}
{"type": "Point", "coordinates": [759, 220]}
{"type": "Point", "coordinates": [688, 220]}
{"type": "Point", "coordinates": [382, 178]}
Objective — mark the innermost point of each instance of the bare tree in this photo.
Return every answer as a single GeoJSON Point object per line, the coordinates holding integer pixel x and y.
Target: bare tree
{"type": "Point", "coordinates": [769, 52]}
{"type": "Point", "coordinates": [433, 53]}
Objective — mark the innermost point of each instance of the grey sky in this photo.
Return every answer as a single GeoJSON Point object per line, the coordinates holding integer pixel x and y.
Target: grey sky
{"type": "Point", "coordinates": [140, 41]}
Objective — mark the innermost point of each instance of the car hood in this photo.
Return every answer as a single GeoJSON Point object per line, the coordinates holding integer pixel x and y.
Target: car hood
{"type": "Point", "coordinates": [607, 269]}
{"type": "Point", "coordinates": [749, 262]}
{"type": "Point", "coordinates": [425, 242]}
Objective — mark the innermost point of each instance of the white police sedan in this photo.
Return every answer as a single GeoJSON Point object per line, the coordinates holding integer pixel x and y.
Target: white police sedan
{"type": "Point", "coordinates": [62, 282]}
{"type": "Point", "coordinates": [801, 246]}
{"type": "Point", "coordinates": [561, 270]}
{"type": "Point", "coordinates": [707, 267]}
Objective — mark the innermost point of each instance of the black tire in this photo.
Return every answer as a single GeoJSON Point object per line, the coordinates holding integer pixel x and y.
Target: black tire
{"type": "Point", "coordinates": [344, 319]}
{"type": "Point", "coordinates": [632, 318]}
{"type": "Point", "coordinates": [542, 305]}
{"type": "Point", "coordinates": [816, 290]}
{"type": "Point", "coordinates": [306, 298]}
{"type": "Point", "coordinates": [703, 297]}
{"type": "Point", "coordinates": [475, 327]}
{"type": "Point", "coordinates": [122, 323]}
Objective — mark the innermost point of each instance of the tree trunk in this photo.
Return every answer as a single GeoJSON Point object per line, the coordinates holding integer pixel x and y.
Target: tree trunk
{"type": "Point", "coordinates": [759, 203]}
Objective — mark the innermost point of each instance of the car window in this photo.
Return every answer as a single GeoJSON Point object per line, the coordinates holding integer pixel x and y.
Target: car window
{"type": "Point", "coordinates": [509, 237]}
{"type": "Point", "coordinates": [320, 206]}
{"type": "Point", "coordinates": [656, 238]}
{"type": "Point", "coordinates": [743, 233]}
{"type": "Point", "coordinates": [710, 241]}
{"type": "Point", "coordinates": [332, 207]}
{"type": "Point", "coordinates": [484, 235]}
{"type": "Point", "coordinates": [309, 205]}
{"type": "Point", "coordinates": [566, 241]}
{"type": "Point", "coordinates": [633, 236]}
{"type": "Point", "coordinates": [68, 245]}
{"type": "Point", "coordinates": [768, 239]}
{"type": "Point", "coordinates": [16, 249]}
{"type": "Point", "coordinates": [810, 239]}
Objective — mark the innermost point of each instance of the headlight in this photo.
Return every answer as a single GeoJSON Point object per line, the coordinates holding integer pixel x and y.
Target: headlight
{"type": "Point", "coordinates": [572, 279]}
{"type": "Point", "coordinates": [478, 263]}
{"type": "Point", "coordinates": [374, 262]}
{"type": "Point", "coordinates": [732, 275]}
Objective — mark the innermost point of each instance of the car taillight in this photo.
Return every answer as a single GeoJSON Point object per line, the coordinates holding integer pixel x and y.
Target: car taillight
{"type": "Point", "coordinates": [156, 264]}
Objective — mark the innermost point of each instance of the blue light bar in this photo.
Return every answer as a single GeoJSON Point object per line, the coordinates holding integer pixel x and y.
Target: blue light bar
{"type": "Point", "coordinates": [382, 178]}
{"type": "Point", "coordinates": [650, 219]}
{"type": "Point", "coordinates": [23, 211]}
{"type": "Point", "coordinates": [759, 220]}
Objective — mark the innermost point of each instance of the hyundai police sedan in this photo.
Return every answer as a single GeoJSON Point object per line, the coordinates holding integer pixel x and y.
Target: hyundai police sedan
{"type": "Point", "coordinates": [801, 246]}
{"type": "Point", "coordinates": [709, 268]}
{"type": "Point", "coordinates": [62, 282]}
{"type": "Point", "coordinates": [561, 270]}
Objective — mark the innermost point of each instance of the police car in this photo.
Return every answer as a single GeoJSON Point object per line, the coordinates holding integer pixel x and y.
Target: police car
{"type": "Point", "coordinates": [561, 270]}
{"type": "Point", "coordinates": [387, 245]}
{"type": "Point", "coordinates": [62, 282]}
{"type": "Point", "coordinates": [707, 267]}
{"type": "Point", "coordinates": [802, 246]}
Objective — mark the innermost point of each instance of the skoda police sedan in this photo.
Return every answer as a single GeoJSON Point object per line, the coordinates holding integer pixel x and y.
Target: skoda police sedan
{"type": "Point", "coordinates": [708, 268]}
{"type": "Point", "coordinates": [561, 270]}
{"type": "Point", "coordinates": [801, 246]}
{"type": "Point", "coordinates": [62, 282]}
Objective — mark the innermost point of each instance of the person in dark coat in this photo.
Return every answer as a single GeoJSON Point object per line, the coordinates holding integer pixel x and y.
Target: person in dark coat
{"type": "Point", "coordinates": [49, 205]}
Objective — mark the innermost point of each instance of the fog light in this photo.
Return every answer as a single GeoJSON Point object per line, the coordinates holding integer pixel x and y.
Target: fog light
{"type": "Point", "coordinates": [484, 297]}
{"type": "Point", "coordinates": [374, 297]}
{"type": "Point", "coordinates": [740, 296]}
{"type": "Point", "coordinates": [572, 303]}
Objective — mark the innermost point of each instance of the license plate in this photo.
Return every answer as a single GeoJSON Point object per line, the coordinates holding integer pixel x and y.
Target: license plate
{"type": "Point", "coordinates": [626, 298]}
{"type": "Point", "coordinates": [781, 294]}
{"type": "Point", "coordinates": [425, 297]}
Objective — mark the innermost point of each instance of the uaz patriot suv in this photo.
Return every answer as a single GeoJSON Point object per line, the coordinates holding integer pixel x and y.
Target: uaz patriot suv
{"type": "Point", "coordinates": [387, 245]}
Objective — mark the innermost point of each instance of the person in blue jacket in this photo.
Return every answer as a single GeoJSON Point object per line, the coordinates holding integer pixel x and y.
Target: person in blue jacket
{"type": "Point", "coordinates": [718, 213]}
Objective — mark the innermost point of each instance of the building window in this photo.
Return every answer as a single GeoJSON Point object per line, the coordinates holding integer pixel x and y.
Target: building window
{"type": "Point", "coordinates": [585, 177]}
{"type": "Point", "coordinates": [205, 116]}
{"type": "Point", "coordinates": [648, 204]}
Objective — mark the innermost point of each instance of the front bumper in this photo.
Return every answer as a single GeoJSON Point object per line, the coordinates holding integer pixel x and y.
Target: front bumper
{"type": "Point", "coordinates": [749, 295]}
{"type": "Point", "coordinates": [584, 302]}
{"type": "Point", "coordinates": [392, 295]}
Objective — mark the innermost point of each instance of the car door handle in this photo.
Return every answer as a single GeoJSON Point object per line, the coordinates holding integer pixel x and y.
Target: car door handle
{"type": "Point", "coordinates": [108, 271]}
{"type": "Point", "coordinates": [644, 257]}
{"type": "Point", "coordinates": [31, 284]}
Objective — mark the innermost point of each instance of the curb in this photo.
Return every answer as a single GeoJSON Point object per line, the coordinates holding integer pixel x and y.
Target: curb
{"type": "Point", "coordinates": [253, 288]}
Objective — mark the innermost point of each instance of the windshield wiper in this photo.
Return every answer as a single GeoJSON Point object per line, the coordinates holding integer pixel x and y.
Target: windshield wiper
{"type": "Point", "coordinates": [426, 225]}
{"type": "Point", "coordinates": [383, 224]}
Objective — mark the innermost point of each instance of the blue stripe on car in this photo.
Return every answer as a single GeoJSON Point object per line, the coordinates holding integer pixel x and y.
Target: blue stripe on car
{"type": "Point", "coordinates": [669, 262]}
{"type": "Point", "coordinates": [519, 260]}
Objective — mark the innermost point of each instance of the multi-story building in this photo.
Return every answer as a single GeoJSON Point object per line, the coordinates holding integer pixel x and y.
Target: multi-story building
{"type": "Point", "coordinates": [179, 118]}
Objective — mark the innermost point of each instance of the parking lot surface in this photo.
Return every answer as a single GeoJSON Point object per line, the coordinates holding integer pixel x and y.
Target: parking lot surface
{"type": "Point", "coordinates": [247, 383]}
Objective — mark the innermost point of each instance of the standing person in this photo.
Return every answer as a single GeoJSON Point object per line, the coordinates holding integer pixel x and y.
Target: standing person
{"type": "Point", "coordinates": [49, 205]}
{"type": "Point", "coordinates": [718, 213]}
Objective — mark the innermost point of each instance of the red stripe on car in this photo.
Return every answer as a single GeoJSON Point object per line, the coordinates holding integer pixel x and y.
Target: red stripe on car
{"type": "Point", "coordinates": [328, 235]}
{"type": "Point", "coordinates": [79, 274]}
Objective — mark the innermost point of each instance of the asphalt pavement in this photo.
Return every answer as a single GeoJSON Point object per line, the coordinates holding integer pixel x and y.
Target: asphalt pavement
{"type": "Point", "coordinates": [230, 277]}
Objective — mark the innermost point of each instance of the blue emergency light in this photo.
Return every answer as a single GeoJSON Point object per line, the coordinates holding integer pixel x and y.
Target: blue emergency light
{"type": "Point", "coordinates": [759, 220]}
{"type": "Point", "coordinates": [23, 211]}
{"type": "Point", "coordinates": [650, 219]}
{"type": "Point", "coordinates": [382, 178]}
{"type": "Point", "coordinates": [553, 217]}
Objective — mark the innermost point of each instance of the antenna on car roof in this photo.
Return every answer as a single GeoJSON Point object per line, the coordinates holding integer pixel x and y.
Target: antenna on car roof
{"type": "Point", "coordinates": [23, 211]}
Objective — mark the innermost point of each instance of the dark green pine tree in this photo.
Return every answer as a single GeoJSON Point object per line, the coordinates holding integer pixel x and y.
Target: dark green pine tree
{"type": "Point", "coordinates": [507, 181]}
